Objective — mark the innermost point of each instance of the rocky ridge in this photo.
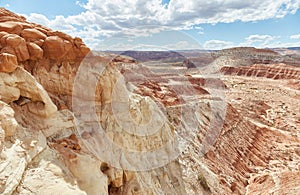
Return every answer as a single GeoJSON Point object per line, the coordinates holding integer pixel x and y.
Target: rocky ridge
{"type": "Point", "coordinates": [249, 55]}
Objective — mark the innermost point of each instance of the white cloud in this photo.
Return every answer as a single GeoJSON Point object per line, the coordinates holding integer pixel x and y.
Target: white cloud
{"type": "Point", "coordinates": [62, 24]}
{"type": "Point", "coordinates": [200, 30]}
{"type": "Point", "coordinates": [217, 44]}
{"type": "Point", "coordinates": [268, 41]}
{"type": "Point", "coordinates": [132, 18]}
{"type": "Point", "coordinates": [59, 23]}
{"type": "Point", "coordinates": [38, 18]}
{"type": "Point", "coordinates": [260, 40]}
{"type": "Point", "coordinates": [123, 15]}
{"type": "Point", "coordinates": [282, 45]}
{"type": "Point", "coordinates": [295, 36]}
{"type": "Point", "coordinates": [215, 11]}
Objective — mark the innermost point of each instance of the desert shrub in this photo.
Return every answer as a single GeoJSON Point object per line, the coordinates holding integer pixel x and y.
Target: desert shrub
{"type": "Point", "coordinates": [203, 182]}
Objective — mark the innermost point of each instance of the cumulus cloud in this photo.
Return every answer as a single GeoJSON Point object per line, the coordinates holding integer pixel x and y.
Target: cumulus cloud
{"type": "Point", "coordinates": [38, 18]}
{"type": "Point", "coordinates": [260, 38]}
{"type": "Point", "coordinates": [131, 18]}
{"type": "Point", "coordinates": [59, 23]}
{"type": "Point", "coordinates": [295, 36]}
{"type": "Point", "coordinates": [282, 44]}
{"type": "Point", "coordinates": [217, 44]}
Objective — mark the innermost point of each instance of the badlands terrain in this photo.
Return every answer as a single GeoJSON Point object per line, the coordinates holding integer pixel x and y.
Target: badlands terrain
{"type": "Point", "coordinates": [73, 121]}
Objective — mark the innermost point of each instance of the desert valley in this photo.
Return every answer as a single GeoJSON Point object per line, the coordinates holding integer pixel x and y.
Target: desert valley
{"type": "Point", "coordinates": [77, 121]}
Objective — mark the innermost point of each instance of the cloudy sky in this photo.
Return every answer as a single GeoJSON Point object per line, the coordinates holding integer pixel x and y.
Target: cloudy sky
{"type": "Point", "coordinates": [168, 24]}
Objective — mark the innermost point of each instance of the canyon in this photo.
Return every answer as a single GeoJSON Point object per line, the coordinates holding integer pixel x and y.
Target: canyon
{"type": "Point", "coordinates": [76, 121]}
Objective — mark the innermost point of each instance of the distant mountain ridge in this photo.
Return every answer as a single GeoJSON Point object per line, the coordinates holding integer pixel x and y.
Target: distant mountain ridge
{"type": "Point", "coordinates": [237, 55]}
{"type": "Point", "coordinates": [294, 48]}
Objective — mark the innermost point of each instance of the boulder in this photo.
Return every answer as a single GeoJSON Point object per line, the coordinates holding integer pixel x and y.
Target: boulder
{"type": "Point", "coordinates": [8, 62]}
{"type": "Point", "coordinates": [21, 84]}
{"type": "Point", "coordinates": [32, 34]}
{"type": "Point", "coordinates": [11, 27]}
{"type": "Point", "coordinates": [14, 44]}
{"type": "Point", "coordinates": [35, 51]}
{"type": "Point", "coordinates": [41, 103]}
{"type": "Point", "coordinates": [81, 46]}
{"type": "Point", "coordinates": [60, 34]}
{"type": "Point", "coordinates": [56, 48]}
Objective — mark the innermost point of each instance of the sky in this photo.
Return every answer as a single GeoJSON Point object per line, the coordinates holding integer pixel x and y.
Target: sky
{"type": "Point", "coordinates": [168, 24]}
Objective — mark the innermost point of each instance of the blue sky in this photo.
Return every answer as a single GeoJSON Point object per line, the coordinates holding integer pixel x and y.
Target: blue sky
{"type": "Point", "coordinates": [168, 24]}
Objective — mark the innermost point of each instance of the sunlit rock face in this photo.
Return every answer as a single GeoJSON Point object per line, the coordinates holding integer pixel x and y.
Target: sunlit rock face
{"type": "Point", "coordinates": [79, 122]}
{"type": "Point", "coordinates": [52, 57]}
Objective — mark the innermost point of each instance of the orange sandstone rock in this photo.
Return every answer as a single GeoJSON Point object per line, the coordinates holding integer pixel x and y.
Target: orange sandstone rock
{"type": "Point", "coordinates": [35, 51]}
{"type": "Point", "coordinates": [8, 62]}
{"type": "Point", "coordinates": [11, 27]}
{"type": "Point", "coordinates": [56, 48]}
{"type": "Point", "coordinates": [14, 44]}
{"type": "Point", "coordinates": [32, 34]}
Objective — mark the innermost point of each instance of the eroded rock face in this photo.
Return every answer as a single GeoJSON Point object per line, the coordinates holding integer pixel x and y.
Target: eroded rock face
{"type": "Point", "coordinates": [22, 85]}
{"type": "Point", "coordinates": [28, 115]}
{"type": "Point", "coordinates": [26, 123]}
{"type": "Point", "coordinates": [274, 71]}
{"type": "Point", "coordinates": [265, 96]}
{"type": "Point", "coordinates": [22, 140]}
{"type": "Point", "coordinates": [42, 52]}
{"type": "Point", "coordinates": [8, 122]}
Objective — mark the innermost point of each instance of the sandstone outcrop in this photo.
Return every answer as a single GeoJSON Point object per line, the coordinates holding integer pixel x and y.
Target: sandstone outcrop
{"type": "Point", "coordinates": [22, 85]}
{"type": "Point", "coordinates": [42, 52]}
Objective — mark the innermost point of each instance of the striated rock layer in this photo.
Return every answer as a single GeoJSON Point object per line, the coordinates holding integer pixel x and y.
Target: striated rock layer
{"type": "Point", "coordinates": [274, 71]}
{"type": "Point", "coordinates": [147, 132]}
